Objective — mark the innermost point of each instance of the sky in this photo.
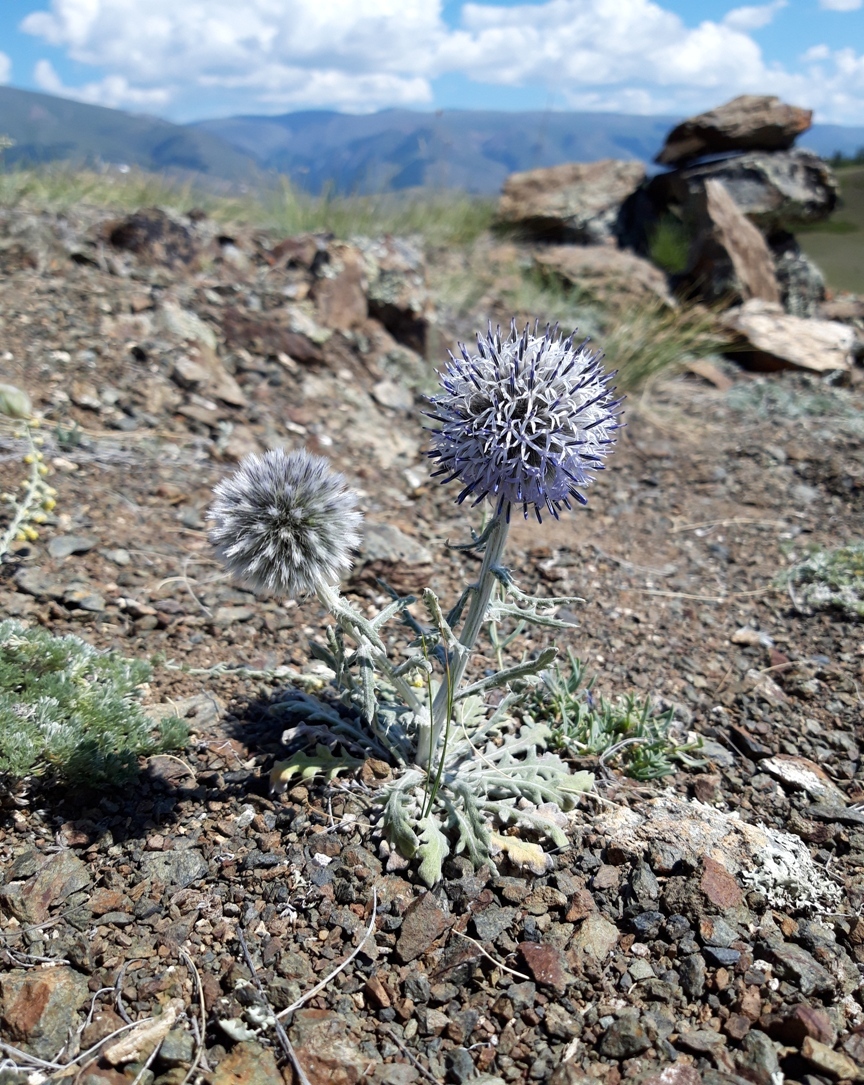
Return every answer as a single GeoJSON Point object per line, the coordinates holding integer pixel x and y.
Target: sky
{"type": "Point", "coordinates": [190, 59]}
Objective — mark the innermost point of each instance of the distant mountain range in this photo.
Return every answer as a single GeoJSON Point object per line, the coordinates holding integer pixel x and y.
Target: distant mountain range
{"type": "Point", "coordinates": [395, 149]}
{"type": "Point", "coordinates": [49, 129]}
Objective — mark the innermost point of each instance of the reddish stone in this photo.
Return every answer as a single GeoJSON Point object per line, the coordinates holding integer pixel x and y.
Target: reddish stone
{"type": "Point", "coordinates": [718, 885]}
{"type": "Point", "coordinates": [423, 922]}
{"type": "Point", "coordinates": [547, 965]}
{"type": "Point", "coordinates": [791, 1027]}
{"type": "Point", "coordinates": [581, 905]}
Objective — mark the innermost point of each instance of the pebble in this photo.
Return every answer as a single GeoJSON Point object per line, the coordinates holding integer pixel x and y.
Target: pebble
{"type": "Point", "coordinates": [54, 879]}
{"type": "Point", "coordinates": [826, 1061]}
{"type": "Point", "coordinates": [547, 964]}
{"type": "Point", "coordinates": [691, 973]}
{"type": "Point", "coordinates": [178, 1048]}
{"type": "Point", "coordinates": [424, 921]}
{"type": "Point", "coordinates": [251, 1064]}
{"type": "Point", "coordinates": [62, 546]}
{"type": "Point", "coordinates": [797, 965]}
{"type": "Point", "coordinates": [625, 1038]}
{"type": "Point", "coordinates": [597, 937]}
{"type": "Point", "coordinates": [175, 869]}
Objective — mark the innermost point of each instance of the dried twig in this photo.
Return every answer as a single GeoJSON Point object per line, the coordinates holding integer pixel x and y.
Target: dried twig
{"type": "Point", "coordinates": [489, 956]}
{"type": "Point", "coordinates": [199, 1050]}
{"type": "Point", "coordinates": [281, 1034]}
{"type": "Point", "coordinates": [392, 1036]}
{"type": "Point", "coordinates": [320, 986]}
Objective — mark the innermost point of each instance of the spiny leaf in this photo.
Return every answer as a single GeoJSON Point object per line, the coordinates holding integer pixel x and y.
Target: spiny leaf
{"type": "Point", "coordinates": [433, 850]}
{"type": "Point", "coordinates": [523, 853]}
{"type": "Point", "coordinates": [320, 763]}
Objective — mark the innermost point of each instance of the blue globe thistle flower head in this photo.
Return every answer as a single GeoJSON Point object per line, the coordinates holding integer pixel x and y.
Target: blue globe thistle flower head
{"type": "Point", "coordinates": [525, 421]}
{"type": "Point", "coordinates": [285, 523]}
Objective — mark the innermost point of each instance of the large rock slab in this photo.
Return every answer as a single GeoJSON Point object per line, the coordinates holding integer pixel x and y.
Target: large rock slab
{"type": "Point", "coordinates": [750, 122]}
{"type": "Point", "coordinates": [729, 850]}
{"type": "Point", "coordinates": [773, 190]}
{"type": "Point", "coordinates": [777, 340]}
{"type": "Point", "coordinates": [605, 271]}
{"type": "Point", "coordinates": [729, 257]}
{"type": "Point", "coordinates": [573, 202]}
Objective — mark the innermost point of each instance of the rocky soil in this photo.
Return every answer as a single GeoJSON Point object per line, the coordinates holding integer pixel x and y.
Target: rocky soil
{"type": "Point", "coordinates": [704, 928]}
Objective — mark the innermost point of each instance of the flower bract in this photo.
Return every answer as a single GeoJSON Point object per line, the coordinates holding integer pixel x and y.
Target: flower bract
{"type": "Point", "coordinates": [526, 421]}
{"type": "Point", "coordinates": [285, 523]}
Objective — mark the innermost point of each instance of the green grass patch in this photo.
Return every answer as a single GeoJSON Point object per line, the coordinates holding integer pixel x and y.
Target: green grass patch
{"type": "Point", "coordinates": [829, 580]}
{"type": "Point", "coordinates": [70, 710]}
{"type": "Point", "coordinates": [628, 732]}
{"type": "Point", "coordinates": [669, 245]}
{"type": "Point", "coordinates": [444, 218]}
{"type": "Point", "coordinates": [836, 245]}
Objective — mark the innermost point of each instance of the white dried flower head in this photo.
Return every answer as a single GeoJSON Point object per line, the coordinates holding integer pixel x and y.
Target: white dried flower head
{"type": "Point", "coordinates": [285, 523]}
{"type": "Point", "coordinates": [525, 421]}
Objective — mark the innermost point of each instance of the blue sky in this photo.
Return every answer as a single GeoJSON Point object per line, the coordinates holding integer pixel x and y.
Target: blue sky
{"type": "Point", "coordinates": [188, 59]}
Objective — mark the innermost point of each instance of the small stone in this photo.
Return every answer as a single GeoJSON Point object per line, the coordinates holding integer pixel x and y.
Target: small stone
{"type": "Point", "coordinates": [800, 773]}
{"type": "Point", "coordinates": [175, 869]}
{"type": "Point", "coordinates": [691, 973]}
{"type": "Point", "coordinates": [492, 922]}
{"type": "Point", "coordinates": [424, 921]}
{"type": "Point", "coordinates": [701, 1041]}
{"type": "Point", "coordinates": [39, 1009]}
{"type": "Point", "coordinates": [794, 1026]}
{"type": "Point", "coordinates": [737, 1026]}
{"type": "Point", "coordinates": [648, 924]}
{"type": "Point", "coordinates": [799, 967]}
{"type": "Point", "coordinates": [417, 987]}
{"type": "Point", "coordinates": [826, 1061]}
{"type": "Point", "coordinates": [460, 1065]}
{"type": "Point", "coordinates": [725, 958]}
{"type": "Point", "coordinates": [625, 1038]}
{"type": "Point", "coordinates": [61, 546]}
{"type": "Point", "coordinates": [252, 1064]}
{"type": "Point", "coordinates": [39, 584]}
{"type": "Point", "coordinates": [547, 964]}
{"type": "Point", "coordinates": [597, 937]}
{"type": "Point", "coordinates": [178, 1048]}
{"type": "Point", "coordinates": [718, 885]}
{"type": "Point", "coordinates": [607, 877]}
{"type": "Point", "coordinates": [757, 1061]}
{"type": "Point", "coordinates": [395, 396]}
{"type": "Point", "coordinates": [715, 931]}
{"type": "Point", "coordinates": [385, 542]}
{"type": "Point", "coordinates": [640, 970]}
{"type": "Point", "coordinates": [679, 1073]}
{"type": "Point", "coordinates": [582, 904]}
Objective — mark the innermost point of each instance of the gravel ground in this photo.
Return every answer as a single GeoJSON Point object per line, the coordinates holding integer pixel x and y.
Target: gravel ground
{"type": "Point", "coordinates": [702, 928]}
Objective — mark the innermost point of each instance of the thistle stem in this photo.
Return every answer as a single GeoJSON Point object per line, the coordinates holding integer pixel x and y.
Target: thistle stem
{"type": "Point", "coordinates": [362, 633]}
{"type": "Point", "coordinates": [473, 624]}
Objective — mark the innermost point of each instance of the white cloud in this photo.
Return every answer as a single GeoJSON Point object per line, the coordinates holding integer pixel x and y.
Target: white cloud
{"type": "Point", "coordinates": [840, 5]}
{"type": "Point", "coordinates": [360, 55]}
{"type": "Point", "coordinates": [816, 52]}
{"type": "Point", "coordinates": [5, 68]}
{"type": "Point", "coordinates": [753, 18]}
{"type": "Point", "coordinates": [113, 91]}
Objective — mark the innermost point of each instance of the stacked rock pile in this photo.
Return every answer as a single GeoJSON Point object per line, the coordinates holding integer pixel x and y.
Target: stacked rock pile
{"type": "Point", "coordinates": [735, 191]}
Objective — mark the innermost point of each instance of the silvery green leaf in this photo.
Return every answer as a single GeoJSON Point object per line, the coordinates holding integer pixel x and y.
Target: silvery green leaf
{"type": "Point", "coordinates": [545, 819]}
{"type": "Point", "coordinates": [527, 669]}
{"type": "Point", "coordinates": [14, 402]}
{"type": "Point", "coordinates": [433, 850]}
{"type": "Point", "coordinates": [397, 824]}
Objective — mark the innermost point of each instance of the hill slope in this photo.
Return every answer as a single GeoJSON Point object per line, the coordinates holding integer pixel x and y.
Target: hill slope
{"type": "Point", "coordinates": [469, 149]}
{"type": "Point", "coordinates": [49, 129]}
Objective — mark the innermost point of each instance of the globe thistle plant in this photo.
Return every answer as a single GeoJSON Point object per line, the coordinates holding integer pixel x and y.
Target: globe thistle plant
{"type": "Point", "coordinates": [285, 523]}
{"type": "Point", "coordinates": [527, 421]}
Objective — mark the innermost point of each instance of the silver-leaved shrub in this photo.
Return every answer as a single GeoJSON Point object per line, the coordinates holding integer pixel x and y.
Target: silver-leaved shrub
{"type": "Point", "coordinates": [71, 711]}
